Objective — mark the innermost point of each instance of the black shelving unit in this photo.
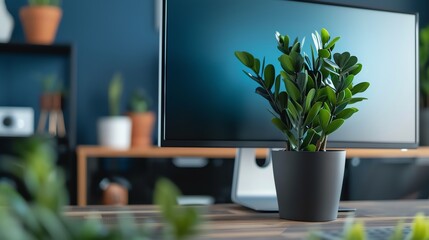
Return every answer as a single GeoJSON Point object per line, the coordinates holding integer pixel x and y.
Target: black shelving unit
{"type": "Point", "coordinates": [63, 50]}
{"type": "Point", "coordinates": [33, 58]}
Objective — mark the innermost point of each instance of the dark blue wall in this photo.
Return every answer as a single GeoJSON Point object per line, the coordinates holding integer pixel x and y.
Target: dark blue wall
{"type": "Point", "coordinates": [119, 35]}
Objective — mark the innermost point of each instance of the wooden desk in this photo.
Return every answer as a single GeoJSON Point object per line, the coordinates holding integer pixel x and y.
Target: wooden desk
{"type": "Point", "coordinates": [85, 152]}
{"type": "Point", "coordinates": [235, 222]}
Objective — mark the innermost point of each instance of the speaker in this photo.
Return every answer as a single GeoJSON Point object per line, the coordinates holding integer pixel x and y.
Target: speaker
{"type": "Point", "coordinates": [16, 121]}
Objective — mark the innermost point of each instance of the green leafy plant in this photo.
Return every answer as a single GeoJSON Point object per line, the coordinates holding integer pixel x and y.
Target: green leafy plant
{"type": "Point", "coordinates": [51, 84]}
{"type": "Point", "coordinates": [424, 65]}
{"type": "Point", "coordinates": [139, 102]}
{"type": "Point", "coordinates": [115, 93]}
{"type": "Point", "coordinates": [317, 89]}
{"type": "Point", "coordinates": [44, 2]}
{"type": "Point", "coordinates": [40, 215]}
{"type": "Point", "coordinates": [355, 230]}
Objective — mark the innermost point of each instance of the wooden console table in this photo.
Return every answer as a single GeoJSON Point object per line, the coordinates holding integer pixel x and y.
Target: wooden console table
{"type": "Point", "coordinates": [85, 152]}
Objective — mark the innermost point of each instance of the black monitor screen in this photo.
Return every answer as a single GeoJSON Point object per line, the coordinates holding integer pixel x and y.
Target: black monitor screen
{"type": "Point", "coordinates": [206, 99]}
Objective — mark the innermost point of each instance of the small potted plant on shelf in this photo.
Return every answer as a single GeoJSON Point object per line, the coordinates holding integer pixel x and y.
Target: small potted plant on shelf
{"type": "Point", "coordinates": [142, 120]}
{"type": "Point", "coordinates": [310, 98]}
{"type": "Point", "coordinates": [40, 20]}
{"type": "Point", "coordinates": [51, 107]}
{"type": "Point", "coordinates": [115, 130]}
{"type": "Point", "coordinates": [424, 86]}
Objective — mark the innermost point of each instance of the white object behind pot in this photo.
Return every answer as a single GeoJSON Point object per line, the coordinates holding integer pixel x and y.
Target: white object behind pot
{"type": "Point", "coordinates": [114, 132]}
{"type": "Point", "coordinates": [6, 23]}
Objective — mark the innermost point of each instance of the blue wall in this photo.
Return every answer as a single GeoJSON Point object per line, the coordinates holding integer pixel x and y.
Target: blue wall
{"type": "Point", "coordinates": [119, 35]}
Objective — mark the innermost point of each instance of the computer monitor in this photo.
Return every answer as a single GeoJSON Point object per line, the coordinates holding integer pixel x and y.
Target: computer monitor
{"type": "Point", "coordinates": [207, 101]}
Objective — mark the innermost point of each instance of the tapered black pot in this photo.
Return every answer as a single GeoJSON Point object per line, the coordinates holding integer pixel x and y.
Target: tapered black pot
{"type": "Point", "coordinates": [308, 184]}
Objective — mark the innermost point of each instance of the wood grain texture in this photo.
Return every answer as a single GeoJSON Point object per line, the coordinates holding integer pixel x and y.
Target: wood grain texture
{"type": "Point", "coordinates": [229, 221]}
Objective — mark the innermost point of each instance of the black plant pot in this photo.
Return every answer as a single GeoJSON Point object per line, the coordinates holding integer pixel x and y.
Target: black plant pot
{"type": "Point", "coordinates": [308, 184]}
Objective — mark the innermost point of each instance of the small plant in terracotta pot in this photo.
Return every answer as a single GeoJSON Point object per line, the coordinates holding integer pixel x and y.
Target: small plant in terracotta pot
{"type": "Point", "coordinates": [40, 20]}
{"type": "Point", "coordinates": [142, 120]}
{"type": "Point", "coordinates": [51, 105]}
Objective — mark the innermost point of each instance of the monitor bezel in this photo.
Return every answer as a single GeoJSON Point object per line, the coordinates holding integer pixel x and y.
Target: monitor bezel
{"type": "Point", "coordinates": [163, 142]}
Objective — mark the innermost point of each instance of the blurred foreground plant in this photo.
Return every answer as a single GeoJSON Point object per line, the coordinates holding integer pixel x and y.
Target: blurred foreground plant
{"type": "Point", "coordinates": [355, 230]}
{"type": "Point", "coordinates": [39, 215]}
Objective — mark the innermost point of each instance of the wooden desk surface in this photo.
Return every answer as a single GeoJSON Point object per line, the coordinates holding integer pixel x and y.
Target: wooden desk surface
{"type": "Point", "coordinates": [229, 221]}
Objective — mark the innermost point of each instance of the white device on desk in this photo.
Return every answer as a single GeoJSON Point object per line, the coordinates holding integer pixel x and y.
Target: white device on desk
{"type": "Point", "coordinates": [252, 185]}
{"type": "Point", "coordinates": [16, 121]}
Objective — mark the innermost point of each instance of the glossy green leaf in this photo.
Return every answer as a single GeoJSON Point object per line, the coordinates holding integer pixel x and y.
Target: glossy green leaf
{"type": "Point", "coordinates": [351, 62]}
{"type": "Point", "coordinates": [346, 113]}
{"type": "Point", "coordinates": [325, 36]}
{"type": "Point", "coordinates": [286, 62]}
{"type": "Point", "coordinates": [326, 106]}
{"type": "Point", "coordinates": [308, 137]}
{"type": "Point", "coordinates": [348, 93]}
{"type": "Point", "coordinates": [314, 110]}
{"type": "Point", "coordinates": [256, 66]}
{"type": "Point", "coordinates": [331, 63]}
{"type": "Point", "coordinates": [311, 148]}
{"type": "Point", "coordinates": [332, 43]}
{"type": "Point", "coordinates": [291, 139]}
{"type": "Point", "coordinates": [331, 95]}
{"type": "Point", "coordinates": [310, 82]}
{"type": "Point", "coordinates": [293, 113]}
{"type": "Point", "coordinates": [309, 99]}
{"type": "Point", "coordinates": [334, 125]}
{"type": "Point", "coordinates": [323, 53]}
{"type": "Point", "coordinates": [355, 100]}
{"type": "Point", "coordinates": [357, 70]}
{"type": "Point", "coordinates": [263, 92]}
{"type": "Point", "coordinates": [301, 80]}
{"type": "Point", "coordinates": [347, 82]}
{"type": "Point", "coordinates": [279, 124]}
{"type": "Point", "coordinates": [292, 90]}
{"type": "Point", "coordinates": [269, 75]}
{"type": "Point", "coordinates": [324, 119]}
{"type": "Point", "coordinates": [277, 86]}
{"type": "Point", "coordinates": [340, 96]}
{"type": "Point", "coordinates": [283, 100]}
{"type": "Point", "coordinates": [360, 87]}
{"type": "Point", "coordinates": [344, 57]}
{"type": "Point", "coordinates": [296, 47]}
{"type": "Point", "coordinates": [245, 58]}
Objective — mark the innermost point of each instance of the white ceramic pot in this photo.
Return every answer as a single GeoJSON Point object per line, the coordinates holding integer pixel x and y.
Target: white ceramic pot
{"type": "Point", "coordinates": [114, 132]}
{"type": "Point", "coordinates": [6, 23]}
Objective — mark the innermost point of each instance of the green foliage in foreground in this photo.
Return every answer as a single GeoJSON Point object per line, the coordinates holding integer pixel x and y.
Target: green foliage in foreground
{"type": "Point", "coordinates": [39, 215]}
{"type": "Point", "coordinates": [355, 230]}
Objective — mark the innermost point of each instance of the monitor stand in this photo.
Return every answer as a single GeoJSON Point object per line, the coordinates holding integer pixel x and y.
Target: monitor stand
{"type": "Point", "coordinates": [253, 186]}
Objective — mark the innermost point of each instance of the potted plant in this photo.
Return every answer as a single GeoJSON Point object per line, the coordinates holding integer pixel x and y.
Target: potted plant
{"type": "Point", "coordinates": [312, 104]}
{"type": "Point", "coordinates": [40, 20]}
{"type": "Point", "coordinates": [142, 120]}
{"type": "Point", "coordinates": [51, 107]}
{"type": "Point", "coordinates": [424, 86]}
{"type": "Point", "coordinates": [115, 130]}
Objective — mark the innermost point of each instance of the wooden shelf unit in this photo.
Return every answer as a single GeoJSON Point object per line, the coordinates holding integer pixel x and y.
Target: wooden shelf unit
{"type": "Point", "coordinates": [85, 152]}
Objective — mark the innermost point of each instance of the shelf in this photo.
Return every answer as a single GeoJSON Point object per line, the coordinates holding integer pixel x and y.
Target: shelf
{"type": "Point", "coordinates": [57, 49]}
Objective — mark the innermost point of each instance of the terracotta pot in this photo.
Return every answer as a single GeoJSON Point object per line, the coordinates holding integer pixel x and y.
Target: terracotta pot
{"type": "Point", "coordinates": [40, 23]}
{"type": "Point", "coordinates": [142, 127]}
